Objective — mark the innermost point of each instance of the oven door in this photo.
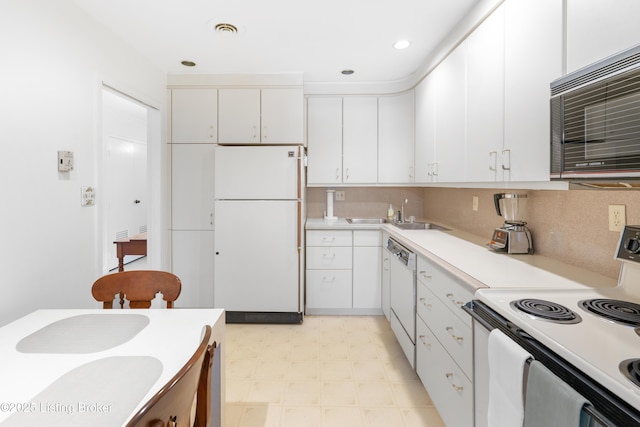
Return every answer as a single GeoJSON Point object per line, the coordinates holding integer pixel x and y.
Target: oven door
{"type": "Point", "coordinates": [606, 410]}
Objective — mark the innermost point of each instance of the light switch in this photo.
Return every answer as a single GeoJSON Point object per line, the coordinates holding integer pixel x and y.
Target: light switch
{"type": "Point", "coordinates": [65, 161]}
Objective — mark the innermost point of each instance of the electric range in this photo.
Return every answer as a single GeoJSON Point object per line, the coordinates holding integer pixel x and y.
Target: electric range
{"type": "Point", "coordinates": [595, 330]}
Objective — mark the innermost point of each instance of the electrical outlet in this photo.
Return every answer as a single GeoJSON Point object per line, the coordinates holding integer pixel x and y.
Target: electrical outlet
{"type": "Point", "coordinates": [617, 218]}
{"type": "Point", "coordinates": [340, 196]}
{"type": "Point", "coordinates": [475, 203]}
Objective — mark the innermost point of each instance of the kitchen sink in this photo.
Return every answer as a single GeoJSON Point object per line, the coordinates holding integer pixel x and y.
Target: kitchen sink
{"type": "Point", "coordinates": [419, 226]}
{"type": "Point", "coordinates": [366, 220]}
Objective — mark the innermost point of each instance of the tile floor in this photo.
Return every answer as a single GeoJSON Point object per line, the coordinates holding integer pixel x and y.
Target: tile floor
{"type": "Point", "coordinates": [331, 371]}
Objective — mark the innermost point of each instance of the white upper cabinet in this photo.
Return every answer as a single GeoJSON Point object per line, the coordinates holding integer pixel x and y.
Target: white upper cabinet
{"type": "Point", "coordinates": [239, 116]}
{"type": "Point", "coordinates": [324, 140]}
{"type": "Point", "coordinates": [282, 116]}
{"type": "Point", "coordinates": [396, 138]}
{"type": "Point", "coordinates": [485, 99]}
{"type": "Point", "coordinates": [260, 116]}
{"type": "Point", "coordinates": [533, 58]}
{"type": "Point", "coordinates": [425, 123]}
{"type": "Point", "coordinates": [450, 78]}
{"type": "Point", "coordinates": [599, 28]}
{"type": "Point", "coordinates": [360, 140]}
{"type": "Point", "coordinates": [194, 116]}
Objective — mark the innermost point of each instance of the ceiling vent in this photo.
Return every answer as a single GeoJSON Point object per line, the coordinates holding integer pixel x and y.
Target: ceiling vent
{"type": "Point", "coordinates": [225, 28]}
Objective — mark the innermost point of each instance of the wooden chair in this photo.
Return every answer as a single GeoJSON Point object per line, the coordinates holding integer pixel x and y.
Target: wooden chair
{"type": "Point", "coordinates": [139, 287]}
{"type": "Point", "coordinates": [173, 405]}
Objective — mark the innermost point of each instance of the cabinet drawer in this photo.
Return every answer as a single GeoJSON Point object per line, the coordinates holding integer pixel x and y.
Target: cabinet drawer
{"type": "Point", "coordinates": [447, 288]}
{"type": "Point", "coordinates": [454, 335]}
{"type": "Point", "coordinates": [450, 390]}
{"type": "Point", "coordinates": [329, 289]}
{"type": "Point", "coordinates": [329, 258]}
{"type": "Point", "coordinates": [329, 238]}
{"type": "Point", "coordinates": [367, 238]}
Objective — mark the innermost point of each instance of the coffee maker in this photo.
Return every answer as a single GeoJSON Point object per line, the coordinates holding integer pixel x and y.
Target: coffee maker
{"type": "Point", "coordinates": [513, 237]}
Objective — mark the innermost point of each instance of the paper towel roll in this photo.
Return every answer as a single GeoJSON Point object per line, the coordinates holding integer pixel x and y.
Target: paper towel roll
{"type": "Point", "coordinates": [330, 197]}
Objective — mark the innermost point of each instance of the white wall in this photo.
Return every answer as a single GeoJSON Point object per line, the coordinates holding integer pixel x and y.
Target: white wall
{"type": "Point", "coordinates": [53, 58]}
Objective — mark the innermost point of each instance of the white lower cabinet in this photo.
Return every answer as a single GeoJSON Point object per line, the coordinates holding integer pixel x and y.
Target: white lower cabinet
{"type": "Point", "coordinates": [449, 388]}
{"type": "Point", "coordinates": [192, 260]}
{"type": "Point", "coordinates": [343, 274]}
{"type": "Point", "coordinates": [444, 344]}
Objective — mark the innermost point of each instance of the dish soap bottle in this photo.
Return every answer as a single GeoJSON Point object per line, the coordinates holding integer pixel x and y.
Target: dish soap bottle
{"type": "Point", "coordinates": [390, 213]}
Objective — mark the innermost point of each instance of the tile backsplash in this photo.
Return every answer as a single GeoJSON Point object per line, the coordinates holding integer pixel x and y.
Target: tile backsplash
{"type": "Point", "coordinates": [570, 226]}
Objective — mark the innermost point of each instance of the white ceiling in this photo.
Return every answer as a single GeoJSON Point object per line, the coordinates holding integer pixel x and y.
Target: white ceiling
{"type": "Point", "coordinates": [316, 38]}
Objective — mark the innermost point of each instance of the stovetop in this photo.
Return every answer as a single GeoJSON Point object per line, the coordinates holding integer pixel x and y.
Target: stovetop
{"type": "Point", "coordinates": [593, 344]}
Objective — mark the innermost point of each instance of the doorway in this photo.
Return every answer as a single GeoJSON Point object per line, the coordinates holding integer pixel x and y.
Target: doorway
{"type": "Point", "coordinates": [125, 191]}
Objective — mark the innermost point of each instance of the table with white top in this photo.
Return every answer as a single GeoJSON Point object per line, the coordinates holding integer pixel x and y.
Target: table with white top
{"type": "Point", "coordinates": [98, 367]}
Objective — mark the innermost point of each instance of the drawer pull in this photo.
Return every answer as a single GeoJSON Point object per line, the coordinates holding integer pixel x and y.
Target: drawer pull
{"type": "Point", "coordinates": [453, 300]}
{"type": "Point", "coordinates": [326, 279]}
{"type": "Point", "coordinates": [424, 302]}
{"type": "Point", "coordinates": [457, 388]}
{"type": "Point", "coordinates": [425, 275]}
{"type": "Point", "coordinates": [454, 336]}
{"type": "Point", "coordinates": [329, 256]}
{"type": "Point", "coordinates": [424, 341]}
{"type": "Point", "coordinates": [328, 239]}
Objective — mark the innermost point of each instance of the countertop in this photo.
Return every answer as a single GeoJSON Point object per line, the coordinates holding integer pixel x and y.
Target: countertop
{"type": "Point", "coordinates": [465, 256]}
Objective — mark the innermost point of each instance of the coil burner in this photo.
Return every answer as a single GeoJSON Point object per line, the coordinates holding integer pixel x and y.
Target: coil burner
{"type": "Point", "coordinates": [630, 368]}
{"type": "Point", "coordinates": [546, 310]}
{"type": "Point", "coordinates": [624, 312]}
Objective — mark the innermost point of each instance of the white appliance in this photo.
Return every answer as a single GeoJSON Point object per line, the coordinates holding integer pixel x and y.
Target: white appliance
{"type": "Point", "coordinates": [258, 213]}
{"type": "Point", "coordinates": [587, 337]}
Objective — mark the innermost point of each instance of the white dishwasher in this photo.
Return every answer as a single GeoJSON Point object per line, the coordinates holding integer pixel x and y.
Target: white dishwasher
{"type": "Point", "coordinates": [402, 289]}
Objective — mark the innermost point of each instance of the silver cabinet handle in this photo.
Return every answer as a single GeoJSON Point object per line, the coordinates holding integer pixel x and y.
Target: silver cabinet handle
{"type": "Point", "coordinates": [424, 341]}
{"type": "Point", "coordinates": [326, 279]}
{"type": "Point", "coordinates": [457, 388]}
{"type": "Point", "coordinates": [329, 256]}
{"type": "Point", "coordinates": [508, 157]}
{"type": "Point", "coordinates": [425, 275]}
{"type": "Point", "coordinates": [328, 239]}
{"type": "Point", "coordinates": [424, 302]}
{"type": "Point", "coordinates": [493, 154]}
{"type": "Point", "coordinates": [337, 174]}
{"type": "Point", "coordinates": [410, 172]}
{"type": "Point", "coordinates": [453, 300]}
{"type": "Point", "coordinates": [458, 338]}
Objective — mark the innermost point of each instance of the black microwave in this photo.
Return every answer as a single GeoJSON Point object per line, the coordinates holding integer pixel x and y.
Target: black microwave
{"type": "Point", "coordinates": [595, 120]}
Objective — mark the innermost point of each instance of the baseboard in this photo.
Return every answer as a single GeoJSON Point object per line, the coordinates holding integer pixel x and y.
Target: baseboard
{"type": "Point", "coordinates": [263, 317]}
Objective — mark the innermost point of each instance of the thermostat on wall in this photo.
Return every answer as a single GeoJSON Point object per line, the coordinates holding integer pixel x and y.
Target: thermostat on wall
{"type": "Point", "coordinates": [65, 161]}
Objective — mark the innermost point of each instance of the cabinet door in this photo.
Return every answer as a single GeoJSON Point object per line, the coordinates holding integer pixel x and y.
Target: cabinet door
{"type": "Point", "coordinates": [324, 140]}
{"type": "Point", "coordinates": [386, 257]}
{"type": "Point", "coordinates": [425, 149]}
{"type": "Point", "coordinates": [367, 282]}
{"type": "Point", "coordinates": [450, 117]}
{"type": "Point", "coordinates": [485, 98]}
{"type": "Point", "coordinates": [533, 58]}
{"type": "Point", "coordinates": [395, 139]}
{"type": "Point", "coordinates": [192, 261]}
{"type": "Point", "coordinates": [239, 116]}
{"type": "Point", "coordinates": [599, 28]}
{"type": "Point", "coordinates": [360, 140]}
{"type": "Point", "coordinates": [194, 116]}
{"type": "Point", "coordinates": [192, 186]}
{"type": "Point", "coordinates": [282, 116]}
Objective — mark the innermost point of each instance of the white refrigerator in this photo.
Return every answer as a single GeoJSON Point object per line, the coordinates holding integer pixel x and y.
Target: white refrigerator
{"type": "Point", "coordinates": [258, 220]}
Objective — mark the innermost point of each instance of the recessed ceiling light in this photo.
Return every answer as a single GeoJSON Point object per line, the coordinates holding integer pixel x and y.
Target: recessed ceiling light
{"type": "Point", "coordinates": [188, 63]}
{"type": "Point", "coordinates": [402, 44]}
{"type": "Point", "coordinates": [347, 72]}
